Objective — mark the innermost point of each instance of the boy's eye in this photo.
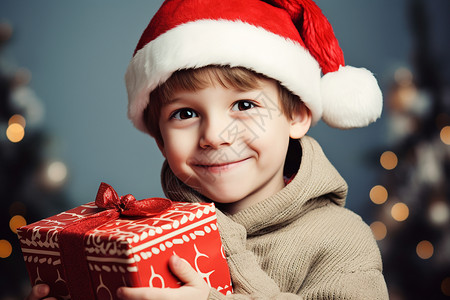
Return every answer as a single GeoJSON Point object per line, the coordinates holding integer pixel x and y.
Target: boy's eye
{"type": "Point", "coordinates": [184, 113]}
{"type": "Point", "coordinates": [242, 105]}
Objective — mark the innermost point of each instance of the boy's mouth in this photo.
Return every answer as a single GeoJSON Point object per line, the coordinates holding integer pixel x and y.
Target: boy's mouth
{"type": "Point", "coordinates": [218, 167]}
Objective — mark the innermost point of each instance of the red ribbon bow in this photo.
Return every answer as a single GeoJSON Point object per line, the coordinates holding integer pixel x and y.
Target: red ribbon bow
{"type": "Point", "coordinates": [127, 205]}
{"type": "Point", "coordinates": [71, 243]}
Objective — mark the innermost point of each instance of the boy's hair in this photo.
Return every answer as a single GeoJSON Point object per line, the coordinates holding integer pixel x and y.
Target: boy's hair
{"type": "Point", "coordinates": [195, 79]}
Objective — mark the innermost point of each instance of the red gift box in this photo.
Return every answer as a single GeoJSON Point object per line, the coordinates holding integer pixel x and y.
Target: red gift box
{"type": "Point", "coordinates": [88, 252]}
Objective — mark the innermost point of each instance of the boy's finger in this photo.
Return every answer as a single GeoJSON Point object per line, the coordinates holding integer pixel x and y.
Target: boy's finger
{"type": "Point", "coordinates": [183, 271]}
{"type": "Point", "coordinates": [127, 293]}
{"type": "Point", "coordinates": [39, 291]}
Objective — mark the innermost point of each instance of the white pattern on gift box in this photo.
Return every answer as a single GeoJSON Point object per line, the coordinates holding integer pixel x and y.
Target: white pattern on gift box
{"type": "Point", "coordinates": [157, 277]}
{"type": "Point", "coordinates": [102, 286]}
{"type": "Point", "coordinates": [118, 246]}
{"type": "Point", "coordinates": [48, 260]}
{"type": "Point", "coordinates": [45, 233]}
{"type": "Point", "coordinates": [155, 246]}
{"type": "Point", "coordinates": [204, 275]}
{"type": "Point", "coordinates": [58, 279]}
{"type": "Point", "coordinates": [123, 231]}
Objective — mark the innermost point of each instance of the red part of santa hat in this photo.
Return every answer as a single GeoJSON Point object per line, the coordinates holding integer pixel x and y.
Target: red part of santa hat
{"type": "Point", "coordinates": [290, 41]}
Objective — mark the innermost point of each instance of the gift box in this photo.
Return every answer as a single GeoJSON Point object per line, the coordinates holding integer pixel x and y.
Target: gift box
{"type": "Point", "coordinates": [91, 250]}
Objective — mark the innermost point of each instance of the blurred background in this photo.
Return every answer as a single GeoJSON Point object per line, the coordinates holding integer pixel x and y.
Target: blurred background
{"type": "Point", "coordinates": [63, 125]}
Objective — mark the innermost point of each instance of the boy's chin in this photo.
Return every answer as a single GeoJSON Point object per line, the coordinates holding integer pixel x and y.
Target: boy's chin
{"type": "Point", "coordinates": [221, 197]}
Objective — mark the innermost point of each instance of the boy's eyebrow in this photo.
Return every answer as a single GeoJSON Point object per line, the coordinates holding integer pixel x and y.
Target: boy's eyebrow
{"type": "Point", "coordinates": [171, 101]}
{"type": "Point", "coordinates": [238, 91]}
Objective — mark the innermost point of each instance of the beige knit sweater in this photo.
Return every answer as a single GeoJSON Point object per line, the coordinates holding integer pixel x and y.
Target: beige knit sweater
{"type": "Point", "coordinates": [300, 243]}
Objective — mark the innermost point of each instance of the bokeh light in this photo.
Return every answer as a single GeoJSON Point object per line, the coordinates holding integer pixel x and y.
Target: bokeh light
{"type": "Point", "coordinates": [425, 249]}
{"type": "Point", "coordinates": [6, 31]}
{"type": "Point", "coordinates": [403, 76]}
{"type": "Point", "coordinates": [378, 194]}
{"type": "Point", "coordinates": [445, 135]}
{"type": "Point", "coordinates": [379, 230]}
{"type": "Point", "coordinates": [16, 222]}
{"type": "Point", "coordinates": [439, 213]}
{"type": "Point", "coordinates": [56, 172]}
{"type": "Point", "coordinates": [388, 160]}
{"type": "Point", "coordinates": [445, 286]}
{"type": "Point", "coordinates": [400, 212]}
{"type": "Point", "coordinates": [405, 93]}
{"type": "Point", "coordinates": [17, 119]}
{"type": "Point", "coordinates": [15, 132]}
{"type": "Point", "coordinates": [5, 249]}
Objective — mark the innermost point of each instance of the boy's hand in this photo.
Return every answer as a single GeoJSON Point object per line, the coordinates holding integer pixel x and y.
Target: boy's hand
{"type": "Point", "coordinates": [39, 291]}
{"type": "Point", "coordinates": [194, 286]}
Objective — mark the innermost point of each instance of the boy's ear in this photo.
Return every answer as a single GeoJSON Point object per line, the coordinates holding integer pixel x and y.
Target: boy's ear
{"type": "Point", "coordinates": [300, 122]}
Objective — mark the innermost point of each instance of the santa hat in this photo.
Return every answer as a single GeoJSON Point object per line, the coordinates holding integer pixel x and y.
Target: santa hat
{"type": "Point", "coordinates": [290, 41]}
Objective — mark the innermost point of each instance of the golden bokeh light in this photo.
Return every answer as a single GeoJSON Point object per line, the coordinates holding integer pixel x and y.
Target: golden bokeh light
{"type": "Point", "coordinates": [445, 135]}
{"type": "Point", "coordinates": [5, 249]}
{"type": "Point", "coordinates": [425, 249]}
{"type": "Point", "coordinates": [15, 132]}
{"type": "Point", "coordinates": [388, 160]}
{"type": "Point", "coordinates": [445, 286]}
{"type": "Point", "coordinates": [16, 222]}
{"type": "Point", "coordinates": [400, 212]}
{"type": "Point", "coordinates": [17, 119]}
{"type": "Point", "coordinates": [379, 230]}
{"type": "Point", "coordinates": [378, 194]}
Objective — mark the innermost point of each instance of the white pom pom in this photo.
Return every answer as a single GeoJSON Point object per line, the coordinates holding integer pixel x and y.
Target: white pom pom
{"type": "Point", "coordinates": [351, 98]}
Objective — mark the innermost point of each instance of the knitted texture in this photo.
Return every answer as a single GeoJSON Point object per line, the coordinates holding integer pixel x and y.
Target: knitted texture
{"type": "Point", "coordinates": [300, 243]}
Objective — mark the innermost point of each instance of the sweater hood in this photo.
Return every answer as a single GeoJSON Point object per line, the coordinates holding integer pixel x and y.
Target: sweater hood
{"type": "Point", "coordinates": [316, 183]}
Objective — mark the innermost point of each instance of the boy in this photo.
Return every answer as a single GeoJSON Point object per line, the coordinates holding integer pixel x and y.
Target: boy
{"type": "Point", "coordinates": [229, 89]}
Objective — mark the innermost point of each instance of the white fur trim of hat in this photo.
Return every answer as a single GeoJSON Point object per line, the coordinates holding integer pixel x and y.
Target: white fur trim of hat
{"type": "Point", "coordinates": [289, 41]}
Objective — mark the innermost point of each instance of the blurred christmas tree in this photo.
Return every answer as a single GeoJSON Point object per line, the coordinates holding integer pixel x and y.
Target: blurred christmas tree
{"type": "Point", "coordinates": [30, 180]}
{"type": "Point", "coordinates": [413, 199]}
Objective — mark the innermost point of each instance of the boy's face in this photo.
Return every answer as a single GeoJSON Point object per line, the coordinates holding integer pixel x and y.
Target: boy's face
{"type": "Point", "coordinates": [227, 144]}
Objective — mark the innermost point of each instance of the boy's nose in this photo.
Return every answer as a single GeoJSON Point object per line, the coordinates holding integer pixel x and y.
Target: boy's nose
{"type": "Point", "coordinates": [214, 133]}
